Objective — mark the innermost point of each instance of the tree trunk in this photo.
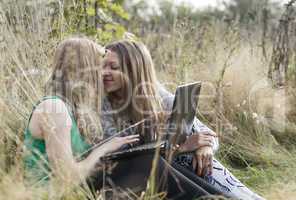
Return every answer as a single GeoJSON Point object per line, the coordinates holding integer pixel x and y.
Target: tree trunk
{"type": "Point", "coordinates": [281, 49]}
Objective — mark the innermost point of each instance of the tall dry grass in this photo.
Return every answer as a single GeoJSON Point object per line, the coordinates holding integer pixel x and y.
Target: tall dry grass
{"type": "Point", "coordinates": [254, 120]}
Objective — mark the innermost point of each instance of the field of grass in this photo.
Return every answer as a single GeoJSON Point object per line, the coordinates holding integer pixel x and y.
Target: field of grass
{"type": "Point", "coordinates": [255, 121]}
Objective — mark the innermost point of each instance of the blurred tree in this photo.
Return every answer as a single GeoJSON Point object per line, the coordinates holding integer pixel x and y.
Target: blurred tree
{"type": "Point", "coordinates": [96, 18]}
{"type": "Point", "coordinates": [282, 47]}
{"type": "Point", "coordinates": [163, 15]}
{"type": "Point", "coordinates": [250, 11]}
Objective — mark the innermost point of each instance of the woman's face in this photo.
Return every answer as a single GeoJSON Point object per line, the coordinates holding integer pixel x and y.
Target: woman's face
{"type": "Point", "coordinates": [112, 75]}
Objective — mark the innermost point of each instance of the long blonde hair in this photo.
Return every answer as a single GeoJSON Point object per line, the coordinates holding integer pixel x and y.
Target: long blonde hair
{"type": "Point", "coordinates": [76, 78]}
{"type": "Point", "coordinates": [137, 65]}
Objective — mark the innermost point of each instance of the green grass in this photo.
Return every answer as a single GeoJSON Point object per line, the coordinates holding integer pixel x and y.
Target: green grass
{"type": "Point", "coordinates": [251, 147]}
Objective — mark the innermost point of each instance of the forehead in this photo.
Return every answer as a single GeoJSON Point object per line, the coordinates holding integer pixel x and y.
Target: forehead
{"type": "Point", "coordinates": [111, 56]}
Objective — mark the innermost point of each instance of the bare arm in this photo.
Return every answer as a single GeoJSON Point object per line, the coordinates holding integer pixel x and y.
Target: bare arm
{"type": "Point", "coordinates": [52, 118]}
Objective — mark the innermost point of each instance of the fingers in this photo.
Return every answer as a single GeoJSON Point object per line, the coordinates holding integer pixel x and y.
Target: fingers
{"type": "Point", "coordinates": [130, 136]}
{"type": "Point", "coordinates": [195, 142]}
{"type": "Point", "coordinates": [130, 139]}
{"type": "Point", "coordinates": [204, 158]}
{"type": "Point", "coordinates": [206, 140]}
{"type": "Point", "coordinates": [204, 143]}
{"type": "Point", "coordinates": [208, 133]}
{"type": "Point", "coordinates": [194, 163]}
{"type": "Point", "coordinates": [206, 137]}
{"type": "Point", "coordinates": [213, 134]}
{"type": "Point", "coordinates": [205, 163]}
{"type": "Point", "coordinates": [210, 166]}
{"type": "Point", "coordinates": [199, 164]}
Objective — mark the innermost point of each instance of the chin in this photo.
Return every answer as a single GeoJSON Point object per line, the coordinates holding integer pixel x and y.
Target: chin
{"type": "Point", "coordinates": [107, 90]}
{"type": "Point", "coordinates": [110, 89]}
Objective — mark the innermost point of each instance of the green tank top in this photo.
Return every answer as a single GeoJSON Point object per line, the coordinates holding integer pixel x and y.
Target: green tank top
{"type": "Point", "coordinates": [36, 164]}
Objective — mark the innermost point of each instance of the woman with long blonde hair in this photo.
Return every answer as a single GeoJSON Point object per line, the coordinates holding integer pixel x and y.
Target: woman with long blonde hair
{"type": "Point", "coordinates": [131, 86]}
{"type": "Point", "coordinates": [65, 123]}
{"type": "Point", "coordinates": [133, 94]}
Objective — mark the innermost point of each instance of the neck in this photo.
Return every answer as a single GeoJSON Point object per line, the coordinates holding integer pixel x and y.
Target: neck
{"type": "Point", "coordinates": [116, 97]}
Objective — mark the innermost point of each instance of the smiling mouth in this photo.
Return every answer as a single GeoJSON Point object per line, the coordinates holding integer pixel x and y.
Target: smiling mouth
{"type": "Point", "coordinates": [107, 78]}
{"type": "Point", "coordinates": [107, 81]}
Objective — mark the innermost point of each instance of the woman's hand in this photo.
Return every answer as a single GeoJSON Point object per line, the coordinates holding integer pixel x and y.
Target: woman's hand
{"type": "Point", "coordinates": [202, 146]}
{"type": "Point", "coordinates": [117, 142]}
{"type": "Point", "coordinates": [197, 141]}
{"type": "Point", "coordinates": [203, 161]}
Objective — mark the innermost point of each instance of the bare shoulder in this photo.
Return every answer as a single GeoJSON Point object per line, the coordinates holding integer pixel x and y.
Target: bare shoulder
{"type": "Point", "coordinates": [52, 106]}
{"type": "Point", "coordinates": [49, 113]}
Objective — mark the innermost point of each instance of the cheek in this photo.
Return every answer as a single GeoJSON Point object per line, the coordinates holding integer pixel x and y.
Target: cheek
{"type": "Point", "coordinates": [118, 79]}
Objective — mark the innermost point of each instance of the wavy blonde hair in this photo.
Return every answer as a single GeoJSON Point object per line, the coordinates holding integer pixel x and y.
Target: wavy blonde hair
{"type": "Point", "coordinates": [140, 77]}
{"type": "Point", "coordinates": [76, 79]}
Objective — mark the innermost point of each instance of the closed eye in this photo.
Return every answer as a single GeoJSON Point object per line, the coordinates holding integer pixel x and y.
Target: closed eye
{"type": "Point", "coordinates": [114, 66]}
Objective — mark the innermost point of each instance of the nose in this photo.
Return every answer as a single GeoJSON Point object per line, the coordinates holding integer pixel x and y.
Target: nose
{"type": "Point", "coordinates": [106, 71]}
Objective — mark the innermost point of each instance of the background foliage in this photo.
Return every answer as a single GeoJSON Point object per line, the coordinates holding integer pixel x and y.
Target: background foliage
{"type": "Point", "coordinates": [238, 50]}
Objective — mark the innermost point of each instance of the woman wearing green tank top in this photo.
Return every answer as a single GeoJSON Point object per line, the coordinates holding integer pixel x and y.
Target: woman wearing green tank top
{"type": "Point", "coordinates": [65, 123]}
